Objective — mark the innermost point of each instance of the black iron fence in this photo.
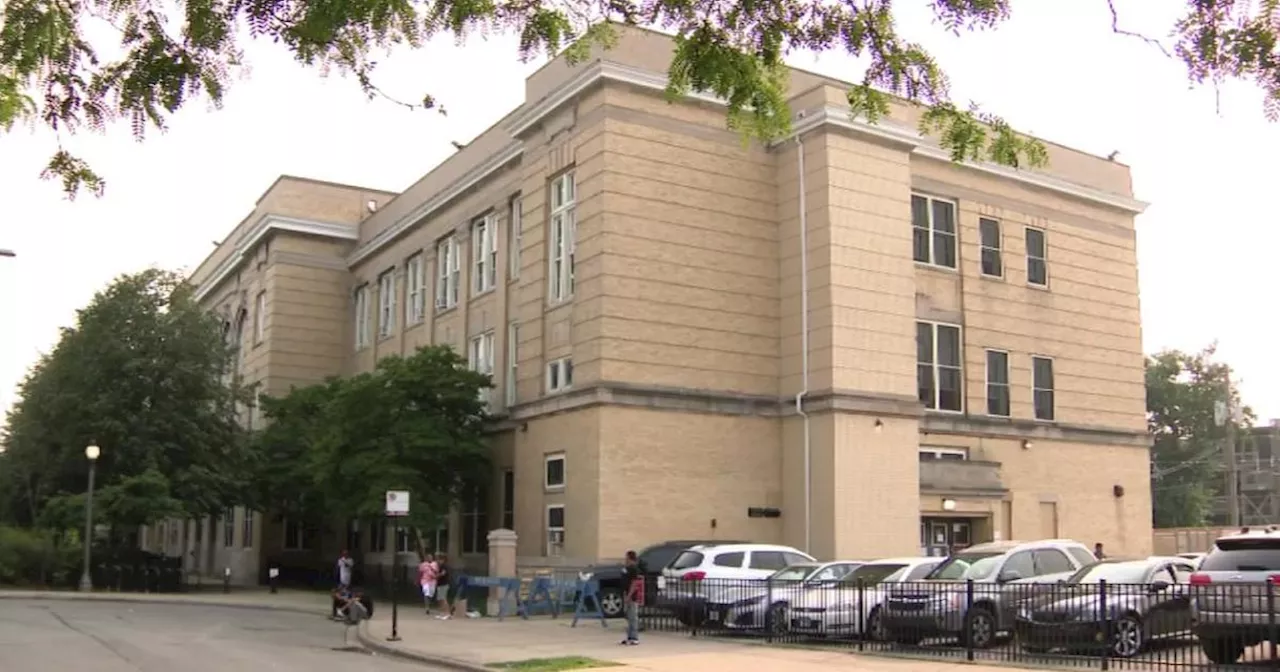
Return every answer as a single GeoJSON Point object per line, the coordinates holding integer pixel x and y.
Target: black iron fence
{"type": "Point", "coordinates": [1099, 625]}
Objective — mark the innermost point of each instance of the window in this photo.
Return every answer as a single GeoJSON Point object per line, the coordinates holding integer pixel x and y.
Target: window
{"type": "Point", "coordinates": [481, 355]}
{"type": "Point", "coordinates": [998, 383]}
{"type": "Point", "coordinates": [260, 317]}
{"type": "Point", "coordinates": [1082, 556]}
{"type": "Point", "coordinates": [403, 540]}
{"type": "Point", "coordinates": [413, 312]}
{"type": "Point", "coordinates": [933, 231]}
{"type": "Point", "coordinates": [439, 540]}
{"type": "Point", "coordinates": [989, 241]}
{"type": "Point", "coordinates": [771, 560]}
{"type": "Point", "coordinates": [555, 530]}
{"type": "Point", "coordinates": [484, 255]}
{"type": "Point", "coordinates": [1020, 563]}
{"type": "Point", "coordinates": [920, 571]}
{"type": "Point", "coordinates": [1042, 387]}
{"type": "Point", "coordinates": [378, 536]}
{"type": "Point", "coordinates": [1052, 561]}
{"type": "Point", "coordinates": [559, 374]}
{"type": "Point", "coordinates": [515, 236]}
{"type": "Point", "coordinates": [353, 536]}
{"type": "Point", "coordinates": [246, 529]}
{"type": "Point", "coordinates": [508, 500]}
{"type": "Point", "coordinates": [553, 474]}
{"type": "Point", "coordinates": [475, 524]}
{"type": "Point", "coordinates": [733, 560]}
{"type": "Point", "coordinates": [229, 528]}
{"type": "Point", "coordinates": [1037, 258]}
{"type": "Point", "coordinates": [930, 453]}
{"type": "Point", "coordinates": [386, 303]}
{"type": "Point", "coordinates": [294, 535]}
{"type": "Point", "coordinates": [513, 363]}
{"type": "Point", "coordinates": [938, 369]}
{"type": "Point", "coordinates": [563, 237]}
{"type": "Point", "coordinates": [448, 273]}
{"type": "Point", "coordinates": [362, 316]}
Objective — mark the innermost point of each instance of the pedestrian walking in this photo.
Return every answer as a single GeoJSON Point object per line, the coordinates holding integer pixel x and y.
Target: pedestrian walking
{"type": "Point", "coordinates": [427, 572]}
{"type": "Point", "coordinates": [345, 563]}
{"type": "Point", "coordinates": [633, 598]}
{"type": "Point", "coordinates": [444, 575]}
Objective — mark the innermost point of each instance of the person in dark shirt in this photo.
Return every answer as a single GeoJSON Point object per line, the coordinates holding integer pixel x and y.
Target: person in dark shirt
{"type": "Point", "coordinates": [633, 580]}
{"type": "Point", "coordinates": [444, 581]}
{"type": "Point", "coordinates": [1097, 551]}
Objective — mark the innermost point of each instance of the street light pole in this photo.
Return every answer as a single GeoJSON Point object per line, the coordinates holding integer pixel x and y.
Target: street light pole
{"type": "Point", "coordinates": [86, 582]}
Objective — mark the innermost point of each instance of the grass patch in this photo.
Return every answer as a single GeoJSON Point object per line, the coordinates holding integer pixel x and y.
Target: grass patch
{"type": "Point", "coordinates": [560, 664]}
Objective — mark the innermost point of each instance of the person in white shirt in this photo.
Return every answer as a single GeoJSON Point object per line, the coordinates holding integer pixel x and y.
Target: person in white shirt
{"type": "Point", "coordinates": [345, 563]}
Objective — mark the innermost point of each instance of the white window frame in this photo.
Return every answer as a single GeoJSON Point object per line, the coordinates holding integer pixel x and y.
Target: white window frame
{"type": "Point", "coordinates": [1031, 259]}
{"type": "Point", "coordinates": [515, 236]}
{"type": "Point", "coordinates": [260, 316]}
{"type": "Point", "coordinates": [475, 518]}
{"type": "Point", "coordinates": [387, 303]}
{"type": "Point", "coordinates": [229, 528]}
{"type": "Point", "coordinates": [378, 536]}
{"type": "Point", "coordinates": [513, 362]}
{"type": "Point", "coordinates": [555, 536]}
{"type": "Point", "coordinates": [564, 472]}
{"type": "Point", "coordinates": [484, 254]}
{"type": "Point", "coordinates": [448, 273]}
{"type": "Point", "coordinates": [934, 232]}
{"type": "Point", "coordinates": [413, 286]}
{"type": "Point", "coordinates": [480, 358]}
{"type": "Point", "coordinates": [937, 452]}
{"type": "Point", "coordinates": [246, 529]}
{"type": "Point", "coordinates": [1036, 390]}
{"type": "Point", "coordinates": [562, 238]}
{"type": "Point", "coordinates": [988, 384]}
{"type": "Point", "coordinates": [996, 250]}
{"type": "Point", "coordinates": [559, 374]}
{"type": "Point", "coordinates": [403, 539]}
{"type": "Point", "coordinates": [937, 391]}
{"type": "Point", "coordinates": [363, 336]}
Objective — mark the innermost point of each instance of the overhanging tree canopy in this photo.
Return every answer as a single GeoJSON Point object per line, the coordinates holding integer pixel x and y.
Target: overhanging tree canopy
{"type": "Point", "coordinates": [54, 72]}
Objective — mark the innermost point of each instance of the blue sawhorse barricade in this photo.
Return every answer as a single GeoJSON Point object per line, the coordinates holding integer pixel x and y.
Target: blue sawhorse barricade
{"type": "Point", "coordinates": [552, 594]}
{"type": "Point", "coordinates": [555, 594]}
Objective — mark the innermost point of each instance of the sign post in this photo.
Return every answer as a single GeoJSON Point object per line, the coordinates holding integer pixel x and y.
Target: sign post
{"type": "Point", "coordinates": [397, 508]}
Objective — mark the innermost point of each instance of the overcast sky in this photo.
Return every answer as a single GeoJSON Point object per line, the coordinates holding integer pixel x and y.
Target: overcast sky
{"type": "Point", "coordinates": [1054, 70]}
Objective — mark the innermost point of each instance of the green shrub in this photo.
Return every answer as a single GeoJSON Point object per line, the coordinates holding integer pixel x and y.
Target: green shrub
{"type": "Point", "coordinates": [26, 556]}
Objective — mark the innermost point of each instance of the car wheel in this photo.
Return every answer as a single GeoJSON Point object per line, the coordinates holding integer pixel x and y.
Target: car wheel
{"type": "Point", "coordinates": [979, 629]}
{"type": "Point", "coordinates": [1222, 651]}
{"type": "Point", "coordinates": [775, 620]}
{"type": "Point", "coordinates": [1127, 637]}
{"type": "Point", "coordinates": [611, 602]}
{"type": "Point", "coordinates": [875, 627]}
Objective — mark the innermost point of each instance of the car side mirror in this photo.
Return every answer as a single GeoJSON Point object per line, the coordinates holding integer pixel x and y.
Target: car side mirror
{"type": "Point", "coordinates": [1009, 575]}
{"type": "Point", "coordinates": [1157, 586]}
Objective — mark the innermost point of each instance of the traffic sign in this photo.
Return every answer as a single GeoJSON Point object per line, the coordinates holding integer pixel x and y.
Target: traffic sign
{"type": "Point", "coordinates": [397, 502]}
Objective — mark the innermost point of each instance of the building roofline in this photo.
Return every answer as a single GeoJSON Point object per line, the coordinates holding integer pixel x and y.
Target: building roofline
{"type": "Point", "coordinates": [267, 224]}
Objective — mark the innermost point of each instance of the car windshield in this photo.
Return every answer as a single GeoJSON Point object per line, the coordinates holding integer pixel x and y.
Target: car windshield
{"type": "Point", "coordinates": [1111, 572]}
{"type": "Point", "coordinates": [870, 575]}
{"type": "Point", "coordinates": [964, 566]}
{"type": "Point", "coordinates": [794, 573]}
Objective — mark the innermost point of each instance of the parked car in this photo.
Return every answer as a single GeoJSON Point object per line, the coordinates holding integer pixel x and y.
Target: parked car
{"type": "Point", "coordinates": [763, 605]}
{"type": "Point", "coordinates": [1231, 592]}
{"type": "Point", "coordinates": [1145, 600]}
{"type": "Point", "coordinates": [683, 584]}
{"type": "Point", "coordinates": [853, 605]}
{"type": "Point", "coordinates": [651, 560]}
{"type": "Point", "coordinates": [940, 605]}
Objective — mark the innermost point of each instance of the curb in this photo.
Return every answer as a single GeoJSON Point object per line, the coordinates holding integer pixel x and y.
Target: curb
{"type": "Point", "coordinates": [120, 599]}
{"type": "Point", "coordinates": [381, 647]}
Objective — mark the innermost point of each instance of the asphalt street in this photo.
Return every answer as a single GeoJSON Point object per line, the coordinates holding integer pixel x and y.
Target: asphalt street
{"type": "Point", "coordinates": [69, 636]}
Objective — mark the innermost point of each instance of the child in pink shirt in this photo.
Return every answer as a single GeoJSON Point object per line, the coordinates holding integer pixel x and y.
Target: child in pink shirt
{"type": "Point", "coordinates": [427, 573]}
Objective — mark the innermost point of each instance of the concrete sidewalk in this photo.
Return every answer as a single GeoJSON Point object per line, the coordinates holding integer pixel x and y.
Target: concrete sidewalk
{"type": "Point", "coordinates": [472, 645]}
{"type": "Point", "coordinates": [286, 600]}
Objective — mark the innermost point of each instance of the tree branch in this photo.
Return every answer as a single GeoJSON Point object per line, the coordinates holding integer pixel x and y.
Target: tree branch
{"type": "Point", "coordinates": [1115, 28]}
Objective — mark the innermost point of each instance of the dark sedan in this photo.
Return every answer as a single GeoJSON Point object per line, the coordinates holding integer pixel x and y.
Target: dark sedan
{"type": "Point", "coordinates": [1144, 600]}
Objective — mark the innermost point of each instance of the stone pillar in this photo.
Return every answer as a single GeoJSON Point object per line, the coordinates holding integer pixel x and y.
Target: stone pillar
{"type": "Point", "coordinates": [502, 563]}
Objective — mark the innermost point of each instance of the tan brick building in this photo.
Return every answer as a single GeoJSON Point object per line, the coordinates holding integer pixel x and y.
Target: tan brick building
{"type": "Point", "coordinates": [632, 276]}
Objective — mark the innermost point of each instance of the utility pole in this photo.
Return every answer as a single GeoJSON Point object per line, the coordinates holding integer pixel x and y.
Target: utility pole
{"type": "Point", "coordinates": [1229, 452]}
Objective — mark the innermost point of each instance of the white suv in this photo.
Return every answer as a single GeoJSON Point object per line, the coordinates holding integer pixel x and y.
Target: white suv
{"type": "Point", "coordinates": [689, 576]}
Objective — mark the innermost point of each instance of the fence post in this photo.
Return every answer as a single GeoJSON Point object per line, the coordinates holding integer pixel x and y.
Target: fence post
{"type": "Point", "coordinates": [862, 614]}
{"type": "Point", "coordinates": [693, 609]}
{"type": "Point", "coordinates": [1271, 618]}
{"type": "Point", "coordinates": [968, 608]}
{"type": "Point", "coordinates": [1106, 624]}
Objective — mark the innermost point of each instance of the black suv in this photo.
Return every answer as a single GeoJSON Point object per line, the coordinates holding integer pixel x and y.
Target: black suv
{"type": "Point", "coordinates": [652, 560]}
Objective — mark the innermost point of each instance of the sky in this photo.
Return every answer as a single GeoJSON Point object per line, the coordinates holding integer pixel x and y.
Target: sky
{"type": "Point", "coordinates": [1055, 70]}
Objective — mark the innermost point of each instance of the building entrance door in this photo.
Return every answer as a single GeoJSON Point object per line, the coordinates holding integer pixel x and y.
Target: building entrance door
{"type": "Point", "coordinates": [940, 537]}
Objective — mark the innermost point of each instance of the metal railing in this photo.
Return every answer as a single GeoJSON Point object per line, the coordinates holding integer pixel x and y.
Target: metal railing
{"type": "Point", "coordinates": [1093, 625]}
